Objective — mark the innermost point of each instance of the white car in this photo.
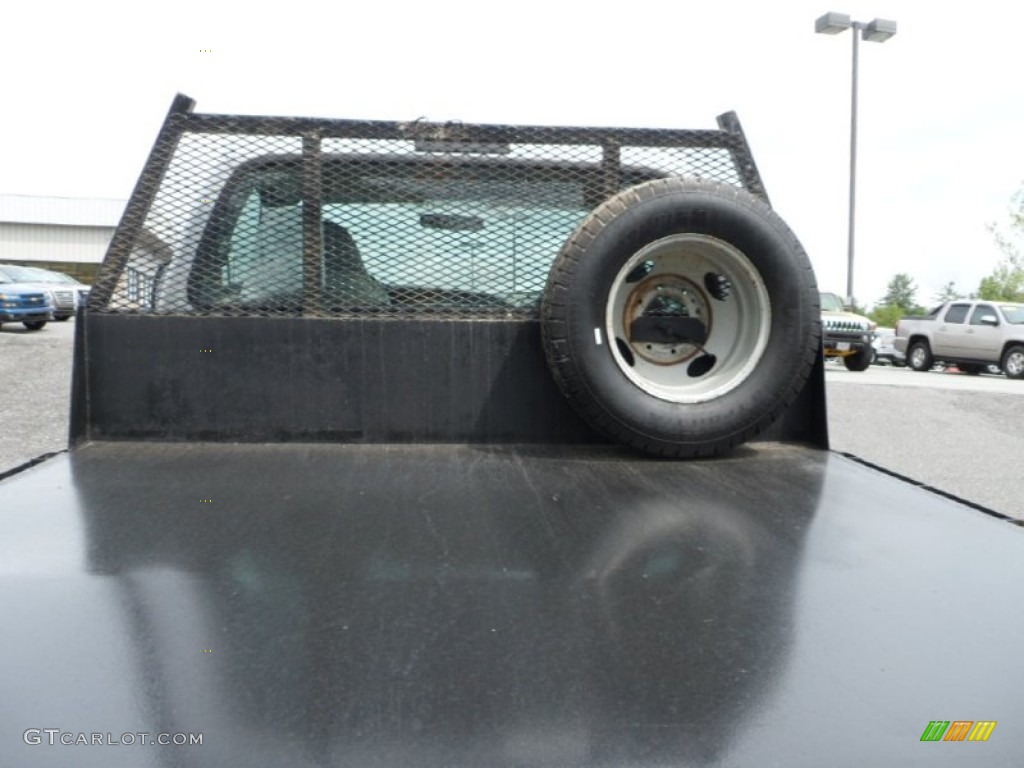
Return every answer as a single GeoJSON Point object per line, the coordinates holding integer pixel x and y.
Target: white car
{"type": "Point", "coordinates": [885, 352]}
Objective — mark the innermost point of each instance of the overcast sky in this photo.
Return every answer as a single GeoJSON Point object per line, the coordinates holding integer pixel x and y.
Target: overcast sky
{"type": "Point", "coordinates": [941, 118]}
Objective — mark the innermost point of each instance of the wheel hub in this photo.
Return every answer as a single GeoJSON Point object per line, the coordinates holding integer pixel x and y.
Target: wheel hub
{"type": "Point", "coordinates": [659, 312]}
{"type": "Point", "coordinates": [670, 297]}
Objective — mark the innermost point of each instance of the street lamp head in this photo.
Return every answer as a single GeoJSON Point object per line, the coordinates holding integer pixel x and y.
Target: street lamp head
{"type": "Point", "coordinates": [879, 30]}
{"type": "Point", "coordinates": [832, 23]}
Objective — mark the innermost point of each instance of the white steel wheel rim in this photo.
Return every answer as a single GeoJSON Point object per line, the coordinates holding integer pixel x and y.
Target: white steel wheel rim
{"type": "Point", "coordinates": [1015, 363]}
{"type": "Point", "coordinates": [738, 326]}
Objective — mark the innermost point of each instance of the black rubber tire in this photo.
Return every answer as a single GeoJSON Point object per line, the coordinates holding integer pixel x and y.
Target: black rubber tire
{"type": "Point", "coordinates": [34, 325]}
{"type": "Point", "coordinates": [923, 361]}
{"type": "Point", "coordinates": [1011, 362]}
{"type": "Point", "coordinates": [62, 318]}
{"type": "Point", "coordinates": [575, 302]}
{"type": "Point", "coordinates": [859, 361]}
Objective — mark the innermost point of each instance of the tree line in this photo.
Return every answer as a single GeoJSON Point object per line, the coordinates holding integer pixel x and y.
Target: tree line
{"type": "Point", "coordinates": [1005, 283]}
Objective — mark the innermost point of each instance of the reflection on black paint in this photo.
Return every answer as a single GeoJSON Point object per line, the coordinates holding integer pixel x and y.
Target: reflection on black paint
{"type": "Point", "coordinates": [448, 605]}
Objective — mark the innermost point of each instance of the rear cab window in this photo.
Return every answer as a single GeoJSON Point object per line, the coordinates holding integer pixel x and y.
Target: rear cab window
{"type": "Point", "coordinates": [421, 234]}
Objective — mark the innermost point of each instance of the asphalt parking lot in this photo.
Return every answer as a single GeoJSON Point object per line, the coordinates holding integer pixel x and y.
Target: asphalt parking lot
{"type": "Point", "coordinates": [35, 367]}
{"type": "Point", "coordinates": [957, 433]}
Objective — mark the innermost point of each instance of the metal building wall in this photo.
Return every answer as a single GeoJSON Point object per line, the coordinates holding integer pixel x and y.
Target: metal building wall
{"type": "Point", "coordinates": [77, 250]}
{"type": "Point", "coordinates": [68, 234]}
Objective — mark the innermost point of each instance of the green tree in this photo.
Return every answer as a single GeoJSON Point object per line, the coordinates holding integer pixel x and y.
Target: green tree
{"type": "Point", "coordinates": [901, 292]}
{"type": "Point", "coordinates": [899, 301]}
{"type": "Point", "coordinates": [1006, 283]}
{"type": "Point", "coordinates": [887, 316]}
{"type": "Point", "coordinates": [949, 292]}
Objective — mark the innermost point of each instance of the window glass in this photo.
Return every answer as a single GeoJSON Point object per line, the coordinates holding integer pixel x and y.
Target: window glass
{"type": "Point", "coordinates": [18, 274]}
{"type": "Point", "coordinates": [140, 288]}
{"type": "Point", "coordinates": [957, 313]}
{"type": "Point", "coordinates": [414, 235]}
{"type": "Point", "coordinates": [487, 246]}
{"type": "Point", "coordinates": [831, 303]}
{"type": "Point", "coordinates": [981, 311]}
{"type": "Point", "coordinates": [1013, 314]}
{"type": "Point", "coordinates": [265, 252]}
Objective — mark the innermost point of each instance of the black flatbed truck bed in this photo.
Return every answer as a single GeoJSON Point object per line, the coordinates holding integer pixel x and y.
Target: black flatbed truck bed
{"type": "Point", "coordinates": [315, 536]}
{"type": "Point", "coordinates": [501, 605]}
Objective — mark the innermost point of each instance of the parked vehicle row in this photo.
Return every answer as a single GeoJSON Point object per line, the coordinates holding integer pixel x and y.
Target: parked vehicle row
{"type": "Point", "coordinates": [33, 296]}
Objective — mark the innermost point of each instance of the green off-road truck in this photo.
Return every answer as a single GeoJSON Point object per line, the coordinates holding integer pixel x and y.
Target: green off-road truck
{"type": "Point", "coordinates": [846, 335]}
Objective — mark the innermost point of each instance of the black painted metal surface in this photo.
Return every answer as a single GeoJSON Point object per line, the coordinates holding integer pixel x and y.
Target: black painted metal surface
{"type": "Point", "coordinates": [288, 379]}
{"type": "Point", "coordinates": [396, 605]}
{"type": "Point", "coordinates": [256, 379]}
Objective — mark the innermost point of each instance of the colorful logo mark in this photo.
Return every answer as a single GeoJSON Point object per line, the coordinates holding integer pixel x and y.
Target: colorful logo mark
{"type": "Point", "coordinates": [958, 730]}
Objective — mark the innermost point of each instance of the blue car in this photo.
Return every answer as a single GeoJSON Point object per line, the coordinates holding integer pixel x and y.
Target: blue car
{"type": "Point", "coordinates": [67, 292]}
{"type": "Point", "coordinates": [31, 305]}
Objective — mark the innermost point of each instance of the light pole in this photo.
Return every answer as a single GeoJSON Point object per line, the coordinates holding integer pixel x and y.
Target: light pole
{"type": "Point", "coordinates": [877, 31]}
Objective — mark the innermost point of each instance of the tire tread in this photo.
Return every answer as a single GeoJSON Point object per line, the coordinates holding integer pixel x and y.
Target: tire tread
{"type": "Point", "coordinates": [555, 321]}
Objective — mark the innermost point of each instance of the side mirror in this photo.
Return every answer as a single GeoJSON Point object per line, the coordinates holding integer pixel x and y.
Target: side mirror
{"type": "Point", "coordinates": [989, 320]}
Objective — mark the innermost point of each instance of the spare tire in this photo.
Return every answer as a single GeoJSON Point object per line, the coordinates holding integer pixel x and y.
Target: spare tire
{"type": "Point", "coordinates": [681, 317]}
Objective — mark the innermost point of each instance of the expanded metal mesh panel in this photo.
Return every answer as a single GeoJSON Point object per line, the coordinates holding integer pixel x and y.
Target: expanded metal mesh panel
{"type": "Point", "coordinates": [249, 216]}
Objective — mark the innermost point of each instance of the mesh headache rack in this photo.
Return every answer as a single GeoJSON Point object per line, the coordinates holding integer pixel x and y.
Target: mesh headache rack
{"type": "Point", "coordinates": [276, 216]}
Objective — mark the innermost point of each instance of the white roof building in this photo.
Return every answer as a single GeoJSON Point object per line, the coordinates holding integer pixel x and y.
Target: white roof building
{"type": "Point", "coordinates": [56, 230]}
